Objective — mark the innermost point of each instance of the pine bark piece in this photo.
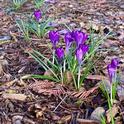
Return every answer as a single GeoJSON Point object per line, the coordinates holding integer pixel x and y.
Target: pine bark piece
{"type": "Point", "coordinates": [20, 97]}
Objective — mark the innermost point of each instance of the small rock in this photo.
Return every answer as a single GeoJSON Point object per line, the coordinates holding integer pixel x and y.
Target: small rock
{"type": "Point", "coordinates": [4, 38]}
{"type": "Point", "coordinates": [17, 119]}
{"type": "Point", "coordinates": [17, 122]}
{"type": "Point", "coordinates": [97, 113]}
{"type": "Point", "coordinates": [120, 92]}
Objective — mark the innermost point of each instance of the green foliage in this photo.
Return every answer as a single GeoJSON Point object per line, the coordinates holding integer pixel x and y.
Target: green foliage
{"type": "Point", "coordinates": [109, 92]}
{"type": "Point", "coordinates": [24, 27]}
{"type": "Point", "coordinates": [70, 64]}
{"type": "Point", "coordinates": [103, 120]}
{"type": "Point", "coordinates": [47, 65]}
{"type": "Point", "coordinates": [40, 28]}
{"type": "Point", "coordinates": [18, 3]}
{"type": "Point", "coordinates": [33, 27]}
{"type": "Point", "coordinates": [38, 3]}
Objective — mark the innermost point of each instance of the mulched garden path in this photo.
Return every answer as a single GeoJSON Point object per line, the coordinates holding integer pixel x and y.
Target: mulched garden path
{"type": "Point", "coordinates": [37, 103]}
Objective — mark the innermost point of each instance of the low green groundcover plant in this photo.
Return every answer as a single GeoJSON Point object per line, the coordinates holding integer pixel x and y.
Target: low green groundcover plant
{"type": "Point", "coordinates": [38, 25]}
{"type": "Point", "coordinates": [72, 63]}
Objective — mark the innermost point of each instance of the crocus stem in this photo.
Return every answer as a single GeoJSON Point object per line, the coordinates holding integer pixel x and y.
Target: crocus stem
{"type": "Point", "coordinates": [79, 74]}
{"type": "Point", "coordinates": [61, 74]}
{"type": "Point", "coordinates": [111, 96]}
{"type": "Point", "coordinates": [64, 65]}
{"type": "Point", "coordinates": [39, 30]}
{"type": "Point", "coordinates": [53, 56]}
{"type": "Point", "coordinates": [111, 115]}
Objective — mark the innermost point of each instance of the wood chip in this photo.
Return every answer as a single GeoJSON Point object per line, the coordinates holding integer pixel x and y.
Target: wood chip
{"type": "Point", "coordinates": [20, 97]}
{"type": "Point", "coordinates": [86, 121]}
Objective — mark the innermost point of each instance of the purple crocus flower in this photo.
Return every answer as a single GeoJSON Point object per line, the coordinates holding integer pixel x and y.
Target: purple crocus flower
{"type": "Point", "coordinates": [80, 37]}
{"type": "Point", "coordinates": [54, 38]}
{"type": "Point", "coordinates": [37, 15]}
{"type": "Point", "coordinates": [112, 70]}
{"type": "Point", "coordinates": [68, 41]}
{"type": "Point", "coordinates": [59, 53]}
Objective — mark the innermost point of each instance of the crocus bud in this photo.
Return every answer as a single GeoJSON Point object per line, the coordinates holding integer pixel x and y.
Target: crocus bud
{"type": "Point", "coordinates": [112, 70]}
{"type": "Point", "coordinates": [68, 41]}
{"type": "Point", "coordinates": [37, 15]}
{"type": "Point", "coordinates": [54, 38]}
{"type": "Point", "coordinates": [79, 55]}
{"type": "Point", "coordinates": [114, 62]}
{"type": "Point", "coordinates": [59, 53]}
{"type": "Point", "coordinates": [80, 37]}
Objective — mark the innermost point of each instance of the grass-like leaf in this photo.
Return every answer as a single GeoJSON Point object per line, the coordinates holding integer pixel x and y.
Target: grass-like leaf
{"type": "Point", "coordinates": [40, 59]}
{"type": "Point", "coordinates": [44, 77]}
{"type": "Point", "coordinates": [18, 3]}
{"type": "Point", "coordinates": [24, 27]}
{"type": "Point", "coordinates": [38, 3]}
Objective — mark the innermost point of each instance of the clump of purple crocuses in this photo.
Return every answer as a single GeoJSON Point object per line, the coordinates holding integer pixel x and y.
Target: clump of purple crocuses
{"type": "Point", "coordinates": [72, 59]}
{"type": "Point", "coordinates": [75, 41]}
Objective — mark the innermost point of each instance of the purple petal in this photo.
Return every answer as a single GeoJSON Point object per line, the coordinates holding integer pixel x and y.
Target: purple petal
{"type": "Point", "coordinates": [59, 53]}
{"type": "Point", "coordinates": [80, 37]}
{"type": "Point", "coordinates": [84, 48]}
{"type": "Point", "coordinates": [68, 41]}
{"type": "Point", "coordinates": [54, 38]}
{"type": "Point", "coordinates": [111, 73]}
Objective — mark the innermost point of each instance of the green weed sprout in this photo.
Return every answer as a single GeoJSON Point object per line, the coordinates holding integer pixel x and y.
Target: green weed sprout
{"type": "Point", "coordinates": [36, 25]}
{"type": "Point", "coordinates": [38, 3]}
{"type": "Point", "coordinates": [18, 3]}
{"type": "Point", "coordinates": [39, 26]}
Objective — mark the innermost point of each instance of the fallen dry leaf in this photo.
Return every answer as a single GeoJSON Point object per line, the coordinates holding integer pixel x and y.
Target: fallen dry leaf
{"type": "Point", "coordinates": [20, 97]}
{"type": "Point", "coordinates": [47, 88]}
{"type": "Point", "coordinates": [1, 69]}
{"type": "Point", "coordinates": [97, 77]}
{"type": "Point", "coordinates": [10, 83]}
{"type": "Point", "coordinates": [65, 119]}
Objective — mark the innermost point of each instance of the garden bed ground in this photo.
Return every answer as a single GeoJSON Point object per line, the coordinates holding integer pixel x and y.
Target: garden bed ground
{"type": "Point", "coordinates": [35, 103]}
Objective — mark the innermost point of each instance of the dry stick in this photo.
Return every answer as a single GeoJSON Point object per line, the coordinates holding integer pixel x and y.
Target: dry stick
{"type": "Point", "coordinates": [60, 103]}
